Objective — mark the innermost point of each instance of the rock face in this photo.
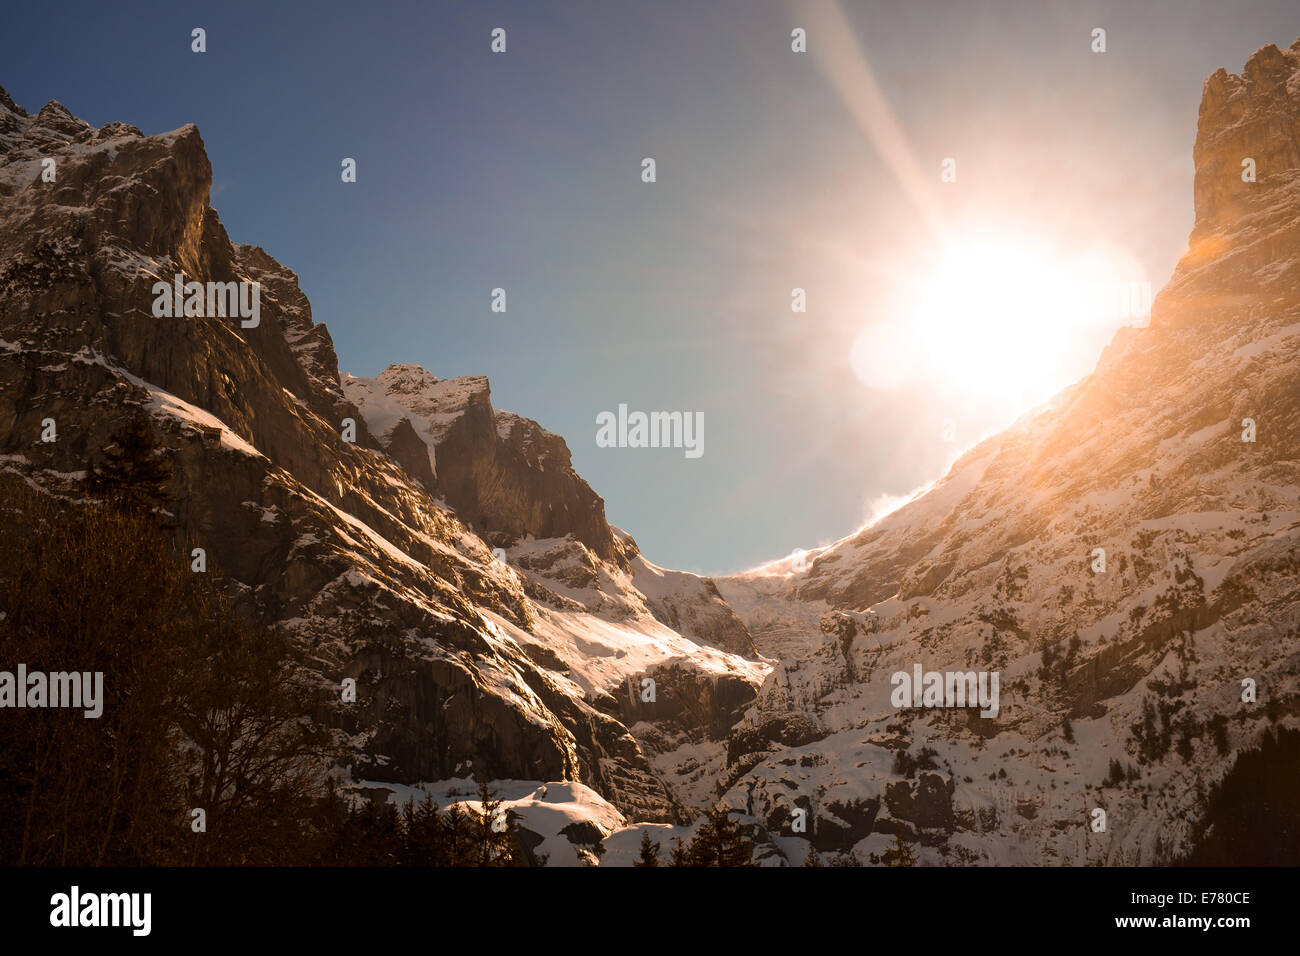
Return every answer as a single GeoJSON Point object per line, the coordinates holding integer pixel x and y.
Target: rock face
{"type": "Point", "coordinates": [504, 474]}
{"type": "Point", "coordinates": [361, 550]}
{"type": "Point", "coordinates": [1253, 116]}
{"type": "Point", "coordinates": [1177, 457]}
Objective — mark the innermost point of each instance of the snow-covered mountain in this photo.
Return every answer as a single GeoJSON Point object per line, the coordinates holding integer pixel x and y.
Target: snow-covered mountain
{"type": "Point", "coordinates": [375, 554]}
{"type": "Point", "coordinates": [1180, 458]}
{"type": "Point", "coordinates": [451, 560]}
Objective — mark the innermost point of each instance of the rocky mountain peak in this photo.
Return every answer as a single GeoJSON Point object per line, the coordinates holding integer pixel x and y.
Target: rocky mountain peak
{"type": "Point", "coordinates": [7, 103]}
{"type": "Point", "coordinates": [408, 377]}
{"type": "Point", "coordinates": [1254, 115]}
{"type": "Point", "coordinates": [505, 474]}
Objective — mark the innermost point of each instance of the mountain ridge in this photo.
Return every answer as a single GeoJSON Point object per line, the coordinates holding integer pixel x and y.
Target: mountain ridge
{"type": "Point", "coordinates": [331, 539]}
{"type": "Point", "coordinates": [383, 556]}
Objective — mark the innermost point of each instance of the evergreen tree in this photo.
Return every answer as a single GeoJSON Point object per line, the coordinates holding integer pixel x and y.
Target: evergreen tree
{"type": "Point", "coordinates": [1114, 774]}
{"type": "Point", "coordinates": [677, 856]}
{"type": "Point", "coordinates": [424, 836]}
{"type": "Point", "coordinates": [494, 831]}
{"type": "Point", "coordinates": [719, 842]}
{"type": "Point", "coordinates": [385, 834]}
{"type": "Point", "coordinates": [901, 853]}
{"type": "Point", "coordinates": [458, 837]}
{"type": "Point", "coordinates": [649, 851]}
{"type": "Point", "coordinates": [135, 470]}
{"type": "Point", "coordinates": [332, 821]}
{"type": "Point", "coordinates": [812, 859]}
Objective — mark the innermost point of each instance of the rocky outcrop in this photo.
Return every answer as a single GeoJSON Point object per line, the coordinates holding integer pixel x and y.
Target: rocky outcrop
{"type": "Point", "coordinates": [1251, 116]}
{"type": "Point", "coordinates": [406, 448]}
{"type": "Point", "coordinates": [687, 698]}
{"type": "Point", "coordinates": [503, 474]}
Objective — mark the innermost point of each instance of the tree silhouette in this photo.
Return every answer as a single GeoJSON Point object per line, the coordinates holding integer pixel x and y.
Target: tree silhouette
{"type": "Point", "coordinates": [494, 830]}
{"type": "Point", "coordinates": [136, 470]}
{"type": "Point", "coordinates": [199, 709]}
{"type": "Point", "coordinates": [649, 851]}
{"type": "Point", "coordinates": [900, 854]}
{"type": "Point", "coordinates": [719, 842]}
{"type": "Point", "coordinates": [1252, 815]}
{"type": "Point", "coordinates": [677, 855]}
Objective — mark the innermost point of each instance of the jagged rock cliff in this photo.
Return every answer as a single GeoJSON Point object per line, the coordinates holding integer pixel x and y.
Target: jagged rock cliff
{"type": "Point", "coordinates": [362, 549]}
{"type": "Point", "coordinates": [504, 474]}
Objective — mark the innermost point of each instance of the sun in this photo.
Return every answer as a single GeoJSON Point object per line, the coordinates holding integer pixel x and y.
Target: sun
{"type": "Point", "coordinates": [989, 320]}
{"type": "Point", "coordinates": [1003, 319]}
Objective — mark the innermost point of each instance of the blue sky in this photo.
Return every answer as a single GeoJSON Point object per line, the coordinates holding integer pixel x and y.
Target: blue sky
{"type": "Point", "coordinates": [522, 171]}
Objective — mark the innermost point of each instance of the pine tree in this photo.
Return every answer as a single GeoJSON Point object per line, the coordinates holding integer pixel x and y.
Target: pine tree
{"type": "Point", "coordinates": [719, 842]}
{"type": "Point", "coordinates": [1252, 815]}
{"type": "Point", "coordinates": [458, 837]}
{"type": "Point", "coordinates": [424, 836]}
{"type": "Point", "coordinates": [649, 851]}
{"type": "Point", "coordinates": [812, 859]}
{"type": "Point", "coordinates": [379, 841]}
{"type": "Point", "coordinates": [677, 856]}
{"type": "Point", "coordinates": [330, 823]}
{"type": "Point", "coordinates": [1114, 774]}
{"type": "Point", "coordinates": [495, 830]}
{"type": "Point", "coordinates": [135, 470]}
{"type": "Point", "coordinates": [901, 853]}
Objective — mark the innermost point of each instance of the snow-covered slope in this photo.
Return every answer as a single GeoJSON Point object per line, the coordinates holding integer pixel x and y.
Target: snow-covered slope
{"type": "Point", "coordinates": [1180, 458]}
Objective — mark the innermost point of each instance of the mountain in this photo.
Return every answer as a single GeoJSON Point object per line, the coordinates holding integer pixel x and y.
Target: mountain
{"type": "Point", "coordinates": [505, 474]}
{"type": "Point", "coordinates": [359, 515]}
{"type": "Point", "coordinates": [446, 555]}
{"type": "Point", "coordinates": [993, 569]}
